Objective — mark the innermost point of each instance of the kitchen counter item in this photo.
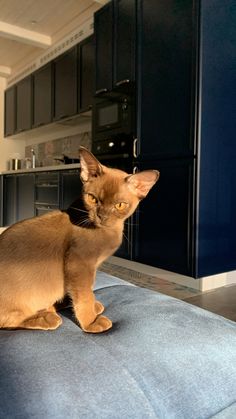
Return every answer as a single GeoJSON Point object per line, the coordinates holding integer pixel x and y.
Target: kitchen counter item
{"type": "Point", "coordinates": [43, 169]}
{"type": "Point", "coordinates": [15, 164]}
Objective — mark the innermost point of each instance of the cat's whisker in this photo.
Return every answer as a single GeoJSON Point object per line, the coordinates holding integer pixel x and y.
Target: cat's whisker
{"type": "Point", "coordinates": [126, 238]}
{"type": "Point", "coordinates": [78, 209]}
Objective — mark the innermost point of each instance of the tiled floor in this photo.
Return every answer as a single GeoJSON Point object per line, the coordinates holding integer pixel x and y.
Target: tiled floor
{"type": "Point", "coordinates": [221, 301]}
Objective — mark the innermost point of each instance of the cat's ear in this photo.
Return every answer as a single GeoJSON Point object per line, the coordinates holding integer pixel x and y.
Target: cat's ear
{"type": "Point", "coordinates": [90, 166]}
{"type": "Point", "coordinates": [141, 183]}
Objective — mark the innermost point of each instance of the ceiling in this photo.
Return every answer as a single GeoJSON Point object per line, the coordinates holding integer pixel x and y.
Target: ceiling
{"type": "Point", "coordinates": [29, 27]}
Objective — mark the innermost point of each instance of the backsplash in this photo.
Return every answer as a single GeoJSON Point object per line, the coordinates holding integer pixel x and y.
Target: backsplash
{"type": "Point", "coordinates": [46, 153]}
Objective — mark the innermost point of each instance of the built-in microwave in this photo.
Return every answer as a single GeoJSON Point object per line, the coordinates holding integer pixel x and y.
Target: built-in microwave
{"type": "Point", "coordinates": [113, 116]}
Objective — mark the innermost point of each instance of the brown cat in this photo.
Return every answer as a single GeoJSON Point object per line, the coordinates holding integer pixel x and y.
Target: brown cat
{"type": "Point", "coordinates": [44, 258]}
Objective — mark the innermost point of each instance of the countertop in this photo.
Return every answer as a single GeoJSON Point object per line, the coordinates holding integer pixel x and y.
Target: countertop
{"type": "Point", "coordinates": [42, 169]}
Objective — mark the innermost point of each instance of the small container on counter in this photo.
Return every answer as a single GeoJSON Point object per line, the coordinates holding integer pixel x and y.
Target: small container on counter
{"type": "Point", "coordinates": [15, 164]}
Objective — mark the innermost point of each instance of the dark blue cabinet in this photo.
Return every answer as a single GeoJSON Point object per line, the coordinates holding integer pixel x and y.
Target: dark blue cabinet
{"type": "Point", "coordinates": [186, 129]}
{"type": "Point", "coordinates": [115, 45]}
{"type": "Point", "coordinates": [18, 198]}
{"type": "Point", "coordinates": [164, 233]}
{"type": "Point", "coordinates": [24, 104]}
{"type": "Point", "coordinates": [10, 111]}
{"type": "Point", "coordinates": [42, 96]}
{"type": "Point", "coordinates": [65, 85]}
{"type": "Point", "coordinates": [86, 74]}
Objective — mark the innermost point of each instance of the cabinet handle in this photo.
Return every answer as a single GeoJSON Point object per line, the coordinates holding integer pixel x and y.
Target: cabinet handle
{"type": "Point", "coordinates": [135, 154]}
{"type": "Point", "coordinates": [119, 83]}
{"type": "Point", "coordinates": [98, 92]}
{"type": "Point", "coordinates": [135, 169]}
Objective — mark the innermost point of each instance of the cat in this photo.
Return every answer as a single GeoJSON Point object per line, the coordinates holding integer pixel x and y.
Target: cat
{"type": "Point", "coordinates": [44, 258]}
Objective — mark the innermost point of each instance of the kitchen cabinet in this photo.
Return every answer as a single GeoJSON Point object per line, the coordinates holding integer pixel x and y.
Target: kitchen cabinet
{"type": "Point", "coordinates": [42, 96]}
{"type": "Point", "coordinates": [10, 111]}
{"type": "Point", "coordinates": [47, 192]}
{"type": "Point", "coordinates": [163, 232]}
{"type": "Point", "coordinates": [115, 36]}
{"type": "Point", "coordinates": [65, 85]}
{"type": "Point", "coordinates": [166, 82]}
{"type": "Point", "coordinates": [124, 43]}
{"type": "Point", "coordinates": [18, 198]}
{"type": "Point", "coordinates": [9, 200]}
{"type": "Point", "coordinates": [24, 104]}
{"type": "Point", "coordinates": [86, 79]}
{"type": "Point", "coordinates": [103, 31]}
{"type": "Point", "coordinates": [25, 196]}
{"type": "Point", "coordinates": [61, 88]}
{"type": "Point", "coordinates": [186, 129]}
{"type": "Point", "coordinates": [71, 186]}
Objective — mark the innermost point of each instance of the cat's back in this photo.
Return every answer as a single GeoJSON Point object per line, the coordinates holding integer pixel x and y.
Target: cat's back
{"type": "Point", "coordinates": [51, 229]}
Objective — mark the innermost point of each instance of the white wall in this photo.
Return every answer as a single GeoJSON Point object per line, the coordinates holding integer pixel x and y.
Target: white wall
{"type": "Point", "coordinates": [8, 147]}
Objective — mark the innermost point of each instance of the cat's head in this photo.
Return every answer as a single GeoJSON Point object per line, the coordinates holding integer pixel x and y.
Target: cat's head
{"type": "Point", "coordinates": [111, 195]}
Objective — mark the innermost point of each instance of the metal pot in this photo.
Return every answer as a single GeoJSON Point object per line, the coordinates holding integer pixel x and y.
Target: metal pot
{"type": "Point", "coordinates": [15, 164]}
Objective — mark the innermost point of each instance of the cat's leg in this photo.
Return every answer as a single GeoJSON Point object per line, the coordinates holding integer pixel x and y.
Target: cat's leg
{"type": "Point", "coordinates": [87, 311]}
{"type": "Point", "coordinates": [43, 320]}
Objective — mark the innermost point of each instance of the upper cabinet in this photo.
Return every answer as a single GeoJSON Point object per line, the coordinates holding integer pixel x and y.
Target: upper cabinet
{"type": "Point", "coordinates": [86, 61]}
{"type": "Point", "coordinates": [103, 30]}
{"type": "Point", "coordinates": [62, 88]}
{"type": "Point", "coordinates": [42, 96]}
{"type": "Point", "coordinates": [124, 42]}
{"type": "Point", "coordinates": [65, 85]}
{"type": "Point", "coordinates": [24, 104]}
{"type": "Point", "coordinates": [115, 34]}
{"type": "Point", "coordinates": [167, 34]}
{"type": "Point", "coordinates": [10, 111]}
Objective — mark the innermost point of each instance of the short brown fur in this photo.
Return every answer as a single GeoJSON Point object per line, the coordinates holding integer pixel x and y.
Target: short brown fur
{"type": "Point", "coordinates": [44, 258]}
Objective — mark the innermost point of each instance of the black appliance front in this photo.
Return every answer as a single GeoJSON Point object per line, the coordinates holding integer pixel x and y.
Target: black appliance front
{"type": "Point", "coordinates": [114, 124]}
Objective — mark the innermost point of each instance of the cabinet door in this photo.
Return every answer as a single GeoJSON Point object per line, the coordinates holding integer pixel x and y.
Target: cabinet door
{"type": "Point", "coordinates": [124, 42]}
{"type": "Point", "coordinates": [24, 104]}
{"type": "Point", "coordinates": [103, 30]}
{"type": "Point", "coordinates": [86, 74]}
{"type": "Point", "coordinates": [9, 200]}
{"type": "Point", "coordinates": [25, 196]}
{"type": "Point", "coordinates": [10, 111]}
{"type": "Point", "coordinates": [71, 186]}
{"type": "Point", "coordinates": [163, 237]}
{"type": "Point", "coordinates": [42, 96]}
{"type": "Point", "coordinates": [166, 57]}
{"type": "Point", "coordinates": [65, 84]}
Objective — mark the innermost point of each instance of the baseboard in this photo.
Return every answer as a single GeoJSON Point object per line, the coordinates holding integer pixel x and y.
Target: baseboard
{"type": "Point", "coordinates": [202, 284]}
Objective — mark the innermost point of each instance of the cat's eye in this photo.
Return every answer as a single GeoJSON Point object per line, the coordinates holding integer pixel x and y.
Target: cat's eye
{"type": "Point", "coordinates": [120, 206]}
{"type": "Point", "coordinates": [91, 198]}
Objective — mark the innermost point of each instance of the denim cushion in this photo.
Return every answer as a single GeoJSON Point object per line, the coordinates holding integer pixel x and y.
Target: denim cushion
{"type": "Point", "coordinates": [163, 358]}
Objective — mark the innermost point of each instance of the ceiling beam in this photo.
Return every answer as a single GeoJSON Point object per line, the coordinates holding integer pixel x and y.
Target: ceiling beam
{"type": "Point", "coordinates": [16, 33]}
{"type": "Point", "coordinates": [5, 71]}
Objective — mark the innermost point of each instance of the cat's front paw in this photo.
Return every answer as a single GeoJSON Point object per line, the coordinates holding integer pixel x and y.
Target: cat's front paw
{"type": "Point", "coordinates": [99, 307]}
{"type": "Point", "coordinates": [101, 324]}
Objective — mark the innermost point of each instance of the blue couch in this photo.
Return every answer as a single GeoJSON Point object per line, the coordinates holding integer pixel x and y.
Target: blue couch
{"type": "Point", "coordinates": [163, 359]}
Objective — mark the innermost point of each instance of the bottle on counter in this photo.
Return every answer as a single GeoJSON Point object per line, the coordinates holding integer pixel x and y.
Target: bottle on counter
{"type": "Point", "coordinates": [33, 159]}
